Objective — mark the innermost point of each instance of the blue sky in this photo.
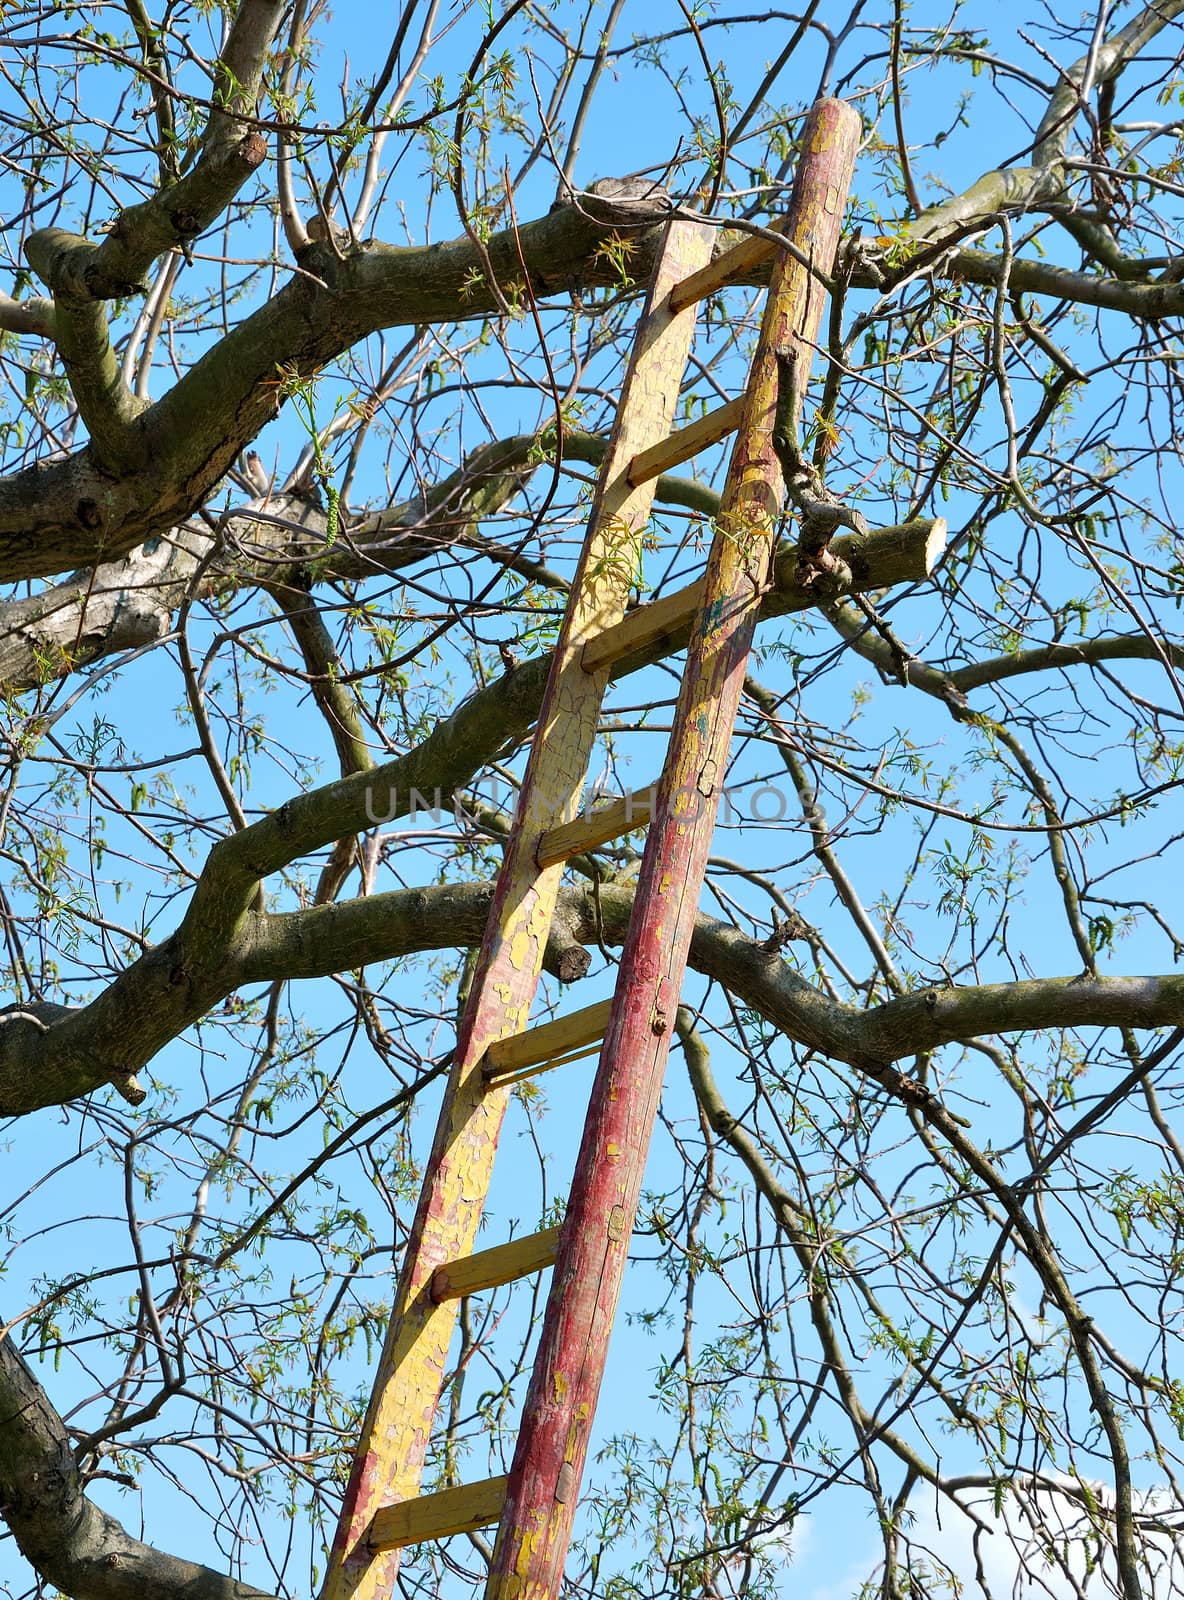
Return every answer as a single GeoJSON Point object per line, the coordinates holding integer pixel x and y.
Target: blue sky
{"type": "Point", "coordinates": [629, 130]}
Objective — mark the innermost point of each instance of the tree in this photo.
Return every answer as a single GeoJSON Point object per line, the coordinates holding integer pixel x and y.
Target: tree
{"type": "Point", "coordinates": [310, 352]}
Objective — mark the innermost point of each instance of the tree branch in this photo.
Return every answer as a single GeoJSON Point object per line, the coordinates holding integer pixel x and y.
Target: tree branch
{"type": "Point", "coordinates": [124, 605]}
{"type": "Point", "coordinates": [35, 316]}
{"type": "Point", "coordinates": [1102, 65]}
{"type": "Point", "coordinates": [43, 1062]}
{"type": "Point", "coordinates": [238, 73]}
{"type": "Point", "coordinates": [81, 275]}
{"type": "Point", "coordinates": [1147, 301]}
{"type": "Point", "coordinates": [129, 603]}
{"type": "Point", "coordinates": [70, 265]}
{"type": "Point", "coordinates": [72, 1544]}
{"type": "Point", "coordinates": [222, 937]}
{"type": "Point", "coordinates": [1083, 652]}
{"type": "Point", "coordinates": [58, 516]}
{"type": "Point", "coordinates": [68, 514]}
{"type": "Point", "coordinates": [83, 336]}
{"type": "Point", "coordinates": [1043, 183]}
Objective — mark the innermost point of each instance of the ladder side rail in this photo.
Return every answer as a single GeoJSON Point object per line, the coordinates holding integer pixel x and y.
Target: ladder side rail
{"type": "Point", "coordinates": [537, 1518]}
{"type": "Point", "coordinates": [394, 1441]}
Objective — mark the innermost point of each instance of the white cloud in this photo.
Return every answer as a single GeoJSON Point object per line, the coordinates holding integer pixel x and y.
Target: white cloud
{"type": "Point", "coordinates": [834, 1562]}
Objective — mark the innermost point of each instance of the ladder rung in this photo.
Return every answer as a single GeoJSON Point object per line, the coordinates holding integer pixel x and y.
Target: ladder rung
{"type": "Point", "coordinates": [687, 442]}
{"type": "Point", "coordinates": [437, 1516]}
{"type": "Point", "coordinates": [886, 556]}
{"type": "Point", "coordinates": [644, 626]}
{"type": "Point", "coordinates": [598, 827]}
{"type": "Point", "coordinates": [486, 1269]}
{"type": "Point", "coordinates": [549, 1045]}
{"type": "Point", "coordinates": [750, 252]}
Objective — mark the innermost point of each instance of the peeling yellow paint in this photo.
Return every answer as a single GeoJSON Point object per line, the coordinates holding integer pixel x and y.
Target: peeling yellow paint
{"type": "Point", "coordinates": [579, 1418]}
{"type": "Point", "coordinates": [525, 1551]}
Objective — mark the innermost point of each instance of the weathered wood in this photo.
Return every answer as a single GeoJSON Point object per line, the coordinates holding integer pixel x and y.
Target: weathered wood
{"type": "Point", "coordinates": [606, 822]}
{"type": "Point", "coordinates": [551, 1044]}
{"type": "Point", "coordinates": [437, 1516]}
{"type": "Point", "coordinates": [394, 1439]}
{"type": "Point", "coordinates": [717, 274]}
{"type": "Point", "coordinates": [644, 626]}
{"type": "Point", "coordinates": [678, 447]}
{"type": "Point", "coordinates": [536, 1522]}
{"type": "Point", "coordinates": [501, 1263]}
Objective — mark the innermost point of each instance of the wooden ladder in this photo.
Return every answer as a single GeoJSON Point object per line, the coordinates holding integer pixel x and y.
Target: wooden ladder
{"type": "Point", "coordinates": [535, 1505]}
